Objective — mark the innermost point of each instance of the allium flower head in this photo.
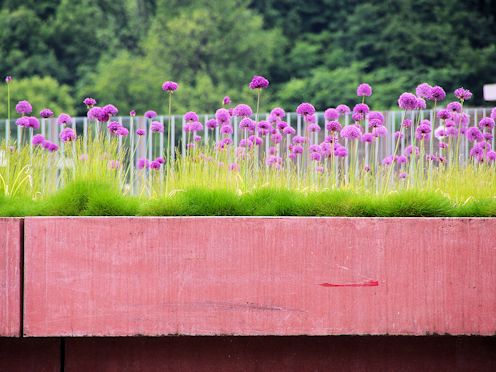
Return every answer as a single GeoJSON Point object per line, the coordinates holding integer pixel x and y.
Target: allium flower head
{"type": "Point", "coordinates": [289, 131]}
{"type": "Point", "coordinates": [407, 123]}
{"type": "Point", "coordinates": [364, 90]}
{"type": "Point", "coordinates": [64, 119]}
{"type": "Point", "coordinates": [410, 148]}
{"type": "Point", "coordinates": [258, 82]}
{"type": "Point", "coordinates": [226, 100]}
{"type": "Point", "coordinates": [37, 140]}
{"type": "Point", "coordinates": [486, 123]}
{"type": "Point", "coordinates": [380, 131]}
{"type": "Point", "coordinates": [374, 123]}
{"type": "Point", "coordinates": [313, 128]}
{"type": "Point", "coordinates": [143, 163]}
{"type": "Point", "coordinates": [376, 115]}
{"type": "Point", "coordinates": [388, 160]}
{"type": "Point", "coordinates": [242, 110]}
{"type": "Point", "coordinates": [150, 114]}
{"type": "Point", "coordinates": [299, 140]}
{"type": "Point", "coordinates": [122, 132]}
{"type": "Point", "coordinates": [140, 132]}
{"type": "Point", "coordinates": [132, 113]}
{"type": "Point", "coordinates": [157, 127]}
{"type": "Point", "coordinates": [226, 129]}
{"type": "Point", "coordinates": [351, 132]}
{"type": "Point", "coordinates": [401, 159]}
{"type": "Point", "coordinates": [110, 110]}
{"type": "Point", "coordinates": [190, 116]}
{"type": "Point", "coordinates": [67, 135]}
{"type": "Point", "coordinates": [278, 113]}
{"type": "Point", "coordinates": [403, 175]}
{"type": "Point", "coordinates": [367, 138]}
{"type": "Point", "coordinates": [437, 94]}
{"type": "Point", "coordinates": [96, 113]}
{"type": "Point", "coordinates": [170, 86]}
{"type": "Point", "coordinates": [247, 124]}
{"type": "Point", "coordinates": [8, 79]}
{"type": "Point", "coordinates": [474, 134]}
{"type": "Point", "coordinates": [361, 108]}
{"type": "Point", "coordinates": [89, 102]}
{"type": "Point", "coordinates": [305, 109]}
{"type": "Point", "coordinates": [343, 109]}
{"type": "Point", "coordinates": [491, 155]}
{"type": "Point", "coordinates": [331, 114]}
{"type": "Point", "coordinates": [23, 122]}
{"type": "Point", "coordinates": [333, 126]}
{"type": "Point", "coordinates": [423, 91]}
{"type": "Point", "coordinates": [24, 108]}
{"type": "Point", "coordinates": [33, 122]}
{"type": "Point", "coordinates": [49, 146]}
{"type": "Point", "coordinates": [421, 105]}
{"type": "Point", "coordinates": [46, 113]}
{"type": "Point", "coordinates": [407, 101]}
{"type": "Point", "coordinates": [440, 132]}
{"type": "Point", "coordinates": [463, 94]}
{"type": "Point", "coordinates": [276, 138]}
{"type": "Point", "coordinates": [444, 114]}
{"type": "Point", "coordinates": [222, 116]}
{"type": "Point", "coordinates": [212, 124]}
{"type": "Point", "coordinates": [196, 126]}
{"type": "Point", "coordinates": [493, 113]}
{"type": "Point", "coordinates": [281, 125]}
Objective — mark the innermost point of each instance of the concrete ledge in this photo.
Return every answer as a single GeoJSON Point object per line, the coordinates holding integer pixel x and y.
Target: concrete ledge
{"type": "Point", "coordinates": [10, 276]}
{"type": "Point", "coordinates": [259, 276]}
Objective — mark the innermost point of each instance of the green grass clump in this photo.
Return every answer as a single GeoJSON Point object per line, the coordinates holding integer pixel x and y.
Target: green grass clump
{"type": "Point", "coordinates": [413, 203]}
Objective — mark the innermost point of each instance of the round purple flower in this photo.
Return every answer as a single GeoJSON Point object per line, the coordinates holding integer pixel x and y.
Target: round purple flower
{"type": "Point", "coordinates": [463, 94]}
{"type": "Point", "coordinates": [331, 114]}
{"type": "Point", "coordinates": [278, 113]}
{"type": "Point", "coordinates": [313, 128]}
{"type": "Point", "coordinates": [486, 123]}
{"type": "Point", "coordinates": [423, 91]}
{"type": "Point", "coordinates": [67, 135]}
{"type": "Point", "coordinates": [222, 116]}
{"type": "Point", "coordinates": [24, 108]}
{"type": "Point", "coordinates": [403, 175]}
{"type": "Point", "coordinates": [305, 109]}
{"type": "Point", "coordinates": [226, 100]}
{"type": "Point", "coordinates": [410, 148]}
{"type": "Point", "coordinates": [276, 138]}
{"type": "Point", "coordinates": [437, 94]}
{"type": "Point", "coordinates": [212, 124]}
{"type": "Point", "coordinates": [170, 86]}
{"type": "Point", "coordinates": [440, 132]}
{"type": "Point", "coordinates": [143, 163]}
{"type": "Point", "coordinates": [49, 146]}
{"type": "Point", "coordinates": [110, 110]}
{"type": "Point", "coordinates": [454, 107]}
{"type": "Point", "coordinates": [491, 156]}
{"type": "Point", "coordinates": [333, 126]}
{"type": "Point", "coordinates": [340, 151]}
{"type": "Point", "coordinates": [23, 122]}
{"type": "Point", "coordinates": [299, 140]}
{"type": "Point", "coordinates": [37, 140]}
{"type": "Point", "coordinates": [376, 115]}
{"type": "Point", "coordinates": [8, 79]}
{"type": "Point", "coordinates": [242, 110]}
{"type": "Point", "coordinates": [362, 109]}
{"type": "Point", "coordinates": [281, 125]}
{"type": "Point", "coordinates": [258, 82]}
{"type": "Point", "coordinates": [315, 156]}
{"type": "Point", "coordinates": [190, 116]}
{"type": "Point", "coordinates": [388, 160]}
{"type": "Point", "coordinates": [374, 123]}
{"type": "Point", "coordinates": [343, 109]}
{"type": "Point", "coordinates": [150, 114]}
{"type": "Point", "coordinates": [364, 90]}
{"type": "Point", "coordinates": [122, 132]}
{"type": "Point", "coordinates": [421, 104]}
{"type": "Point", "coordinates": [493, 113]}
{"type": "Point", "coordinates": [64, 119]}
{"type": "Point", "coordinates": [89, 102]}
{"type": "Point", "coordinates": [46, 113]}
{"type": "Point", "coordinates": [263, 125]}
{"type": "Point", "coordinates": [140, 132]}
{"type": "Point", "coordinates": [113, 126]}
{"type": "Point", "coordinates": [247, 124]}
{"type": "Point", "coordinates": [95, 113]}
{"type": "Point", "coordinates": [33, 122]}
{"type": "Point", "coordinates": [132, 113]}
{"type": "Point", "coordinates": [157, 127]}
{"type": "Point", "coordinates": [351, 132]}
{"type": "Point", "coordinates": [155, 164]}
{"type": "Point", "coordinates": [407, 101]}
{"type": "Point", "coordinates": [407, 123]}
{"type": "Point", "coordinates": [380, 131]}
{"type": "Point", "coordinates": [444, 114]}
{"type": "Point", "coordinates": [474, 134]}
{"type": "Point", "coordinates": [226, 129]}
{"type": "Point", "coordinates": [401, 159]}
{"type": "Point", "coordinates": [196, 126]}
{"type": "Point", "coordinates": [398, 134]}
{"type": "Point", "coordinates": [289, 130]}
{"type": "Point", "coordinates": [367, 138]}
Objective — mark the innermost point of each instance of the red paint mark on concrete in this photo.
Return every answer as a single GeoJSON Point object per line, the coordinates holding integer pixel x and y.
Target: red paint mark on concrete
{"type": "Point", "coordinates": [369, 283]}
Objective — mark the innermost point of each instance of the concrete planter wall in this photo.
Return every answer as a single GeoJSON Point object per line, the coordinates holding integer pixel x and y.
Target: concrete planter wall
{"type": "Point", "coordinates": [258, 276]}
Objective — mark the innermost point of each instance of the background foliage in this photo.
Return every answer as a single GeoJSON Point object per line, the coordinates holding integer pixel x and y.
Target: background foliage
{"type": "Point", "coordinates": [60, 51]}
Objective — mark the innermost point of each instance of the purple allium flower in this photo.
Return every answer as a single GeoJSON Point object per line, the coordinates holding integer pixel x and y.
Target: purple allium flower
{"type": "Point", "coordinates": [122, 132]}
{"type": "Point", "coordinates": [476, 152]}
{"type": "Point", "coordinates": [24, 108]}
{"type": "Point", "coordinates": [67, 135]}
{"type": "Point", "coordinates": [22, 122]}
{"type": "Point", "coordinates": [362, 109]}
{"type": "Point", "coordinates": [486, 123]}
{"type": "Point", "coordinates": [376, 115]}
{"type": "Point", "coordinates": [89, 102]}
{"type": "Point", "coordinates": [315, 156]}
{"type": "Point", "coordinates": [276, 138]}
{"type": "Point", "coordinates": [190, 116]}
{"type": "Point", "coordinates": [341, 151]}
{"type": "Point", "coordinates": [454, 107]}
{"type": "Point", "coordinates": [423, 130]}
{"type": "Point", "coordinates": [403, 175]}
{"type": "Point", "coordinates": [463, 94]}
{"type": "Point", "coordinates": [226, 129]}
{"type": "Point", "coordinates": [331, 114]}
{"type": "Point", "coordinates": [493, 113]}
{"type": "Point", "coordinates": [364, 90]}
{"type": "Point", "coordinates": [196, 126]}
{"type": "Point", "coordinates": [222, 116]}
{"type": "Point", "coordinates": [197, 138]}
{"type": "Point", "coordinates": [407, 123]}
{"type": "Point", "coordinates": [278, 113]}
{"type": "Point", "coordinates": [487, 136]}
{"type": "Point", "coordinates": [233, 167]}
{"type": "Point", "coordinates": [313, 128]}
{"type": "Point", "coordinates": [157, 127]}
{"type": "Point", "coordinates": [421, 104]}
{"type": "Point", "coordinates": [289, 131]}
{"type": "Point", "coordinates": [33, 122]}
{"type": "Point", "coordinates": [333, 126]}
{"type": "Point", "coordinates": [113, 126]}
{"type": "Point", "coordinates": [343, 109]}
{"type": "Point", "coordinates": [401, 159]}
{"type": "Point", "coordinates": [281, 125]}
{"type": "Point", "coordinates": [423, 91]}
{"type": "Point", "coordinates": [110, 110]}
{"type": "Point", "coordinates": [491, 156]}
{"type": "Point", "coordinates": [245, 143]}
{"type": "Point", "coordinates": [226, 141]}
{"type": "Point", "coordinates": [258, 82]}
{"type": "Point", "coordinates": [410, 148]}
{"type": "Point", "coordinates": [351, 132]}
{"type": "Point", "coordinates": [64, 119]}
{"type": "Point", "coordinates": [256, 140]}
{"type": "Point", "coordinates": [150, 114]}
{"type": "Point", "coordinates": [155, 165]}
{"type": "Point", "coordinates": [380, 131]}
{"type": "Point", "coordinates": [437, 94]}
{"type": "Point", "coordinates": [311, 119]}
{"type": "Point", "coordinates": [50, 146]}
{"type": "Point", "coordinates": [398, 134]}
{"type": "Point", "coordinates": [8, 79]}
{"type": "Point", "coordinates": [170, 86]}
{"type": "Point", "coordinates": [143, 163]}
{"type": "Point", "coordinates": [132, 113]}
{"type": "Point", "coordinates": [357, 116]}
{"type": "Point", "coordinates": [140, 132]}
{"type": "Point", "coordinates": [37, 140]}
{"type": "Point", "coordinates": [388, 160]}
{"type": "Point", "coordinates": [46, 113]}
{"type": "Point", "coordinates": [299, 140]}
{"type": "Point", "coordinates": [247, 124]}
{"type": "Point", "coordinates": [305, 109]}
{"type": "Point", "coordinates": [243, 110]}
{"type": "Point", "coordinates": [212, 124]}
{"type": "Point", "coordinates": [440, 132]}
{"type": "Point", "coordinates": [367, 138]}
{"type": "Point", "coordinates": [451, 132]}
{"type": "Point", "coordinates": [407, 101]}
{"type": "Point", "coordinates": [298, 149]}
{"type": "Point", "coordinates": [226, 100]}
{"type": "Point", "coordinates": [263, 125]}
{"type": "Point", "coordinates": [95, 113]}
{"type": "Point", "coordinates": [474, 134]}
{"type": "Point", "coordinates": [374, 123]}
{"type": "Point", "coordinates": [444, 114]}
{"type": "Point", "coordinates": [314, 148]}
{"type": "Point", "coordinates": [160, 159]}
{"type": "Point", "coordinates": [442, 145]}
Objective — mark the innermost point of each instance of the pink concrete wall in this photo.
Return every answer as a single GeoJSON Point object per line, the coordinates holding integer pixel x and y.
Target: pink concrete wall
{"type": "Point", "coordinates": [259, 276]}
{"type": "Point", "coordinates": [10, 277]}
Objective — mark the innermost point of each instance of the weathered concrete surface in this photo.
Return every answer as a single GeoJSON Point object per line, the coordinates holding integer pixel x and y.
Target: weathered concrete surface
{"type": "Point", "coordinates": [338, 353]}
{"type": "Point", "coordinates": [259, 276]}
{"type": "Point", "coordinates": [10, 277]}
{"type": "Point", "coordinates": [30, 354]}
